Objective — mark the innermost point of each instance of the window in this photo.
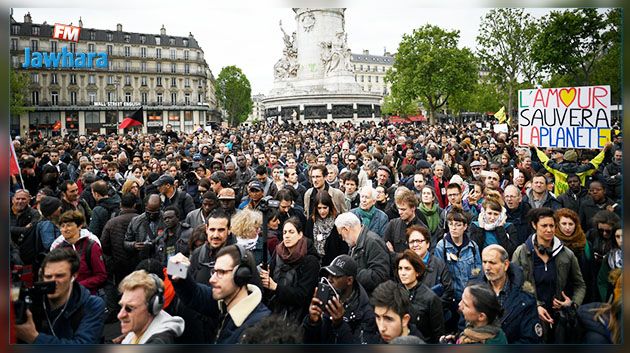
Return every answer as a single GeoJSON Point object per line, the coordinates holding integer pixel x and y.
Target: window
{"type": "Point", "coordinates": [92, 122]}
{"type": "Point", "coordinates": [127, 38]}
{"type": "Point", "coordinates": [73, 79]}
{"type": "Point", "coordinates": [143, 67]}
{"type": "Point", "coordinates": [91, 48]}
{"type": "Point", "coordinates": [73, 98]}
{"type": "Point", "coordinates": [73, 47]}
{"type": "Point", "coordinates": [111, 97]}
{"type": "Point", "coordinates": [143, 52]}
{"type": "Point", "coordinates": [173, 98]}
{"type": "Point", "coordinates": [186, 82]}
{"type": "Point", "coordinates": [14, 44]}
{"type": "Point", "coordinates": [128, 97]}
{"type": "Point", "coordinates": [54, 98]}
{"type": "Point", "coordinates": [185, 41]}
{"type": "Point", "coordinates": [34, 44]}
{"type": "Point", "coordinates": [143, 98]}
{"type": "Point", "coordinates": [110, 50]}
{"type": "Point", "coordinates": [127, 80]}
{"type": "Point", "coordinates": [157, 40]}
{"type": "Point", "coordinates": [369, 78]}
{"type": "Point", "coordinates": [35, 78]}
{"type": "Point", "coordinates": [158, 67]}
{"type": "Point", "coordinates": [200, 97]}
{"type": "Point", "coordinates": [159, 98]}
{"type": "Point", "coordinates": [200, 85]}
{"type": "Point", "coordinates": [35, 30]}
{"type": "Point", "coordinates": [186, 54]}
{"type": "Point", "coordinates": [158, 82]}
{"type": "Point", "coordinates": [110, 80]}
{"type": "Point", "coordinates": [376, 79]}
{"type": "Point", "coordinates": [171, 41]}
{"type": "Point", "coordinates": [92, 35]}
{"type": "Point", "coordinates": [92, 97]}
{"type": "Point", "coordinates": [15, 29]}
{"type": "Point", "coordinates": [35, 97]}
{"type": "Point", "coordinates": [127, 66]}
{"type": "Point", "coordinates": [143, 38]}
{"type": "Point", "coordinates": [173, 54]}
{"type": "Point", "coordinates": [173, 67]}
{"type": "Point", "coordinates": [187, 98]}
{"type": "Point", "coordinates": [368, 68]}
{"type": "Point", "coordinates": [91, 80]}
{"type": "Point", "coordinates": [361, 68]}
{"type": "Point", "coordinates": [158, 53]}
{"type": "Point", "coordinates": [110, 37]}
{"type": "Point", "coordinates": [53, 79]}
{"type": "Point", "coordinates": [173, 82]}
{"type": "Point", "coordinates": [362, 78]}
{"type": "Point", "coordinates": [127, 51]}
{"type": "Point", "coordinates": [143, 80]}
{"type": "Point", "coordinates": [188, 121]}
{"type": "Point", "coordinates": [186, 68]}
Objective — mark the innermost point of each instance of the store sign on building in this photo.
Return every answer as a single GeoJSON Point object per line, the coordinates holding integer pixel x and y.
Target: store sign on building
{"type": "Point", "coordinates": [117, 104]}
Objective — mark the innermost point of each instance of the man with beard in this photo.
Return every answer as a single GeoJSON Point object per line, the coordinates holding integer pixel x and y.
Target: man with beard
{"type": "Point", "coordinates": [318, 175]}
{"type": "Point", "coordinates": [203, 258]}
{"type": "Point", "coordinates": [613, 177]}
{"type": "Point", "coordinates": [70, 201]}
{"type": "Point", "coordinates": [516, 212]}
{"type": "Point", "coordinates": [573, 197]}
{"type": "Point", "coordinates": [227, 201]}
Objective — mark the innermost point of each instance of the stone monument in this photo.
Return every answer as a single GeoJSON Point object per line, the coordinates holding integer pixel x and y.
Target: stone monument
{"type": "Point", "coordinates": [314, 79]}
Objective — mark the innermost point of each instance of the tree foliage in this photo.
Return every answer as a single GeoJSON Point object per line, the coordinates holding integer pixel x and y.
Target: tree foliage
{"type": "Point", "coordinates": [571, 42]}
{"type": "Point", "coordinates": [505, 40]}
{"type": "Point", "coordinates": [431, 68]}
{"type": "Point", "coordinates": [19, 82]}
{"type": "Point", "coordinates": [233, 92]}
{"type": "Point", "coordinates": [395, 105]}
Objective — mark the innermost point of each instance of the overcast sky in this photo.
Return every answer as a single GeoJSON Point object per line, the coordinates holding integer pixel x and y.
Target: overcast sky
{"type": "Point", "coordinates": [250, 38]}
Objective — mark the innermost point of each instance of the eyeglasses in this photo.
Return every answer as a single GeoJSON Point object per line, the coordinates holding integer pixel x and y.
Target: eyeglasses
{"type": "Point", "coordinates": [129, 309]}
{"type": "Point", "coordinates": [220, 273]}
{"type": "Point", "coordinates": [352, 160]}
{"type": "Point", "coordinates": [604, 230]}
{"type": "Point", "coordinates": [417, 241]}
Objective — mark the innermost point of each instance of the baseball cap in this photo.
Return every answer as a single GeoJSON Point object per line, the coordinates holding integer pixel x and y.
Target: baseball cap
{"type": "Point", "coordinates": [227, 194]}
{"type": "Point", "coordinates": [342, 265]}
{"type": "Point", "coordinates": [255, 185]}
{"type": "Point", "coordinates": [475, 164]}
{"type": "Point", "coordinates": [164, 179]}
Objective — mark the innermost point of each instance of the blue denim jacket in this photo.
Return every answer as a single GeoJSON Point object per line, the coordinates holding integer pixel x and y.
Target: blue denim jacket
{"type": "Point", "coordinates": [462, 266]}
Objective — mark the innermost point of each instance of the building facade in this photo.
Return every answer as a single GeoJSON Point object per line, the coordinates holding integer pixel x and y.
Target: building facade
{"type": "Point", "coordinates": [370, 71]}
{"type": "Point", "coordinates": [165, 75]}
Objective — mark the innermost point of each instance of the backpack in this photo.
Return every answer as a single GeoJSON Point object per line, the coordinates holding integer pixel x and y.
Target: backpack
{"type": "Point", "coordinates": [30, 244]}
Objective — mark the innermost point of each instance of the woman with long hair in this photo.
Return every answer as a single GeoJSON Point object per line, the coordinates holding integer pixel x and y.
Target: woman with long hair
{"type": "Point", "coordinates": [432, 212]}
{"type": "Point", "coordinates": [613, 260]}
{"type": "Point", "coordinates": [320, 228]}
{"type": "Point", "coordinates": [603, 322]}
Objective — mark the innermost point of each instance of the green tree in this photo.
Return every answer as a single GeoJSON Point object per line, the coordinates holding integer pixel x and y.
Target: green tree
{"type": "Point", "coordinates": [571, 42]}
{"type": "Point", "coordinates": [431, 68]}
{"type": "Point", "coordinates": [505, 41]}
{"type": "Point", "coordinates": [394, 105]}
{"type": "Point", "coordinates": [19, 82]}
{"type": "Point", "coordinates": [234, 94]}
{"type": "Point", "coordinates": [482, 97]}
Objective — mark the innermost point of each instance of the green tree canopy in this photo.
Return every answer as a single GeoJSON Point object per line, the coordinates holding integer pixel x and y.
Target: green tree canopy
{"type": "Point", "coordinates": [19, 82]}
{"type": "Point", "coordinates": [431, 68]}
{"type": "Point", "coordinates": [233, 92]}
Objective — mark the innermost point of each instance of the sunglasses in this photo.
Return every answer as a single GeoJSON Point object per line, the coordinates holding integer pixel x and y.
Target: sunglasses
{"type": "Point", "coordinates": [128, 309]}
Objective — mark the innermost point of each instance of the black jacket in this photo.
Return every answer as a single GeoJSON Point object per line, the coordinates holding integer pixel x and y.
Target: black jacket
{"type": "Point", "coordinates": [572, 200]}
{"type": "Point", "coordinates": [334, 245]}
{"type": "Point", "coordinates": [358, 325]}
{"type": "Point", "coordinates": [202, 261]}
{"type": "Point", "coordinates": [438, 278]}
{"type": "Point", "coordinates": [103, 212]}
{"type": "Point", "coordinates": [426, 312]}
{"type": "Point", "coordinates": [395, 233]}
{"type": "Point", "coordinates": [595, 331]}
{"type": "Point", "coordinates": [296, 284]}
{"type": "Point", "coordinates": [518, 217]}
{"type": "Point", "coordinates": [182, 201]}
{"type": "Point", "coordinates": [139, 230]}
{"type": "Point", "coordinates": [373, 260]}
{"type": "Point", "coordinates": [169, 245]}
{"type": "Point", "coordinates": [588, 209]}
{"type": "Point", "coordinates": [506, 236]}
{"type": "Point", "coordinates": [119, 261]}
{"type": "Point", "coordinates": [17, 224]}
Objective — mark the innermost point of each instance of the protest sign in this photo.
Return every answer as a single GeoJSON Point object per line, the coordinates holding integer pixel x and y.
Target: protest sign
{"type": "Point", "coordinates": [567, 117]}
{"type": "Point", "coordinates": [500, 128]}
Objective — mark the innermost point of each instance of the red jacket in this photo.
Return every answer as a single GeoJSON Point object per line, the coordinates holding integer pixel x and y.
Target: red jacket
{"type": "Point", "coordinates": [443, 202]}
{"type": "Point", "coordinates": [94, 276]}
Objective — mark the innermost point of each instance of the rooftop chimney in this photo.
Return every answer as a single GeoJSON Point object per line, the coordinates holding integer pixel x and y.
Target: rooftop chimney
{"type": "Point", "coordinates": [366, 52]}
{"type": "Point", "coordinates": [163, 31]}
{"type": "Point", "coordinates": [80, 22]}
{"type": "Point", "coordinates": [119, 27]}
{"type": "Point", "coordinates": [27, 18]}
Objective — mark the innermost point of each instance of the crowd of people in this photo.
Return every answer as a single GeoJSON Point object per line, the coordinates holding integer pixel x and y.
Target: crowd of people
{"type": "Point", "coordinates": [320, 233]}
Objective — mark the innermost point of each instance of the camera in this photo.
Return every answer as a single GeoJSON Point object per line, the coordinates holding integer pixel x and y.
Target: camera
{"type": "Point", "coordinates": [28, 296]}
{"type": "Point", "coordinates": [325, 292]}
{"type": "Point", "coordinates": [266, 203]}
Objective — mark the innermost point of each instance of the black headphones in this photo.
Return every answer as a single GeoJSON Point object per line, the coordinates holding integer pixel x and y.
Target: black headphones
{"type": "Point", "coordinates": [242, 272]}
{"type": "Point", "coordinates": [156, 302]}
{"type": "Point", "coordinates": [543, 249]}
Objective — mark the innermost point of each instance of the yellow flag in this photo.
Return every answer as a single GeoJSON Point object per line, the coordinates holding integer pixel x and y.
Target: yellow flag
{"type": "Point", "coordinates": [500, 115]}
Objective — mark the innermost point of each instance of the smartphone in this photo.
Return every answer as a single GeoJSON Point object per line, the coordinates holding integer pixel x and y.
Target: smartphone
{"type": "Point", "coordinates": [177, 269]}
{"type": "Point", "coordinates": [325, 292]}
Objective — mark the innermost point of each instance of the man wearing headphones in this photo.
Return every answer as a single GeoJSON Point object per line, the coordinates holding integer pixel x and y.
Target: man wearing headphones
{"type": "Point", "coordinates": [142, 319]}
{"type": "Point", "coordinates": [230, 299]}
{"type": "Point", "coordinates": [69, 315]}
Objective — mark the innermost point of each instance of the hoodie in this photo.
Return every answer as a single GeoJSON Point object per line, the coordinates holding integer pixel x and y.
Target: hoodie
{"type": "Point", "coordinates": [162, 330]}
{"type": "Point", "coordinates": [92, 272]}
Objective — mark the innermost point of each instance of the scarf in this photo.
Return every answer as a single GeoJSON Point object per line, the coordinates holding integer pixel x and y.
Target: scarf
{"type": "Point", "coordinates": [472, 334]}
{"type": "Point", "coordinates": [615, 258]}
{"type": "Point", "coordinates": [483, 222]}
{"type": "Point", "coordinates": [366, 216]}
{"type": "Point", "coordinates": [248, 244]}
{"type": "Point", "coordinates": [321, 231]}
{"type": "Point", "coordinates": [576, 242]}
{"type": "Point", "coordinates": [292, 256]}
{"type": "Point", "coordinates": [349, 198]}
{"type": "Point", "coordinates": [432, 216]}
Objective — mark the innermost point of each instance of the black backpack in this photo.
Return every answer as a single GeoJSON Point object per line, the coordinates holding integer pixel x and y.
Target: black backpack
{"type": "Point", "coordinates": [30, 244]}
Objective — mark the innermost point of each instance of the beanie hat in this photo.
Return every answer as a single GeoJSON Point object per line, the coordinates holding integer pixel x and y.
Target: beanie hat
{"type": "Point", "coordinates": [570, 156]}
{"type": "Point", "coordinates": [48, 205]}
